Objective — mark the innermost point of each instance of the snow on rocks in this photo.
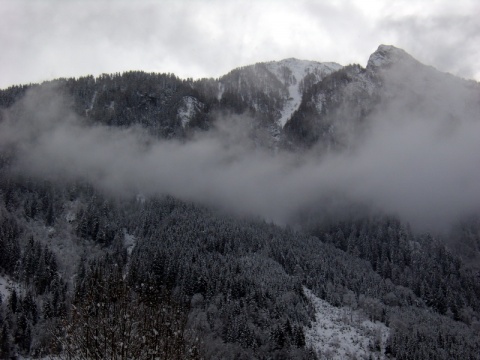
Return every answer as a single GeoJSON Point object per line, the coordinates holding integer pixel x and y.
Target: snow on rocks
{"type": "Point", "coordinates": [291, 72]}
{"type": "Point", "coordinates": [387, 55]}
{"type": "Point", "coordinates": [188, 108]}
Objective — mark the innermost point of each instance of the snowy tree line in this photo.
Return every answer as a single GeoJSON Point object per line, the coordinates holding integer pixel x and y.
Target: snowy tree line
{"type": "Point", "coordinates": [201, 284]}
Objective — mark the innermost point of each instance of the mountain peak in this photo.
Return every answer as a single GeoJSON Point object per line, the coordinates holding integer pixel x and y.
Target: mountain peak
{"type": "Point", "coordinates": [387, 55]}
{"type": "Point", "coordinates": [304, 64]}
{"type": "Point", "coordinates": [291, 72]}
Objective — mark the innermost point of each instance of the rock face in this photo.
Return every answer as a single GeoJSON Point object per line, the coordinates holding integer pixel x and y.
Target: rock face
{"type": "Point", "coordinates": [387, 55]}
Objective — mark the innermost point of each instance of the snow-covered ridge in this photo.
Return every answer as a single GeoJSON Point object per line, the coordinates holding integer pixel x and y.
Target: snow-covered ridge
{"type": "Point", "coordinates": [290, 72]}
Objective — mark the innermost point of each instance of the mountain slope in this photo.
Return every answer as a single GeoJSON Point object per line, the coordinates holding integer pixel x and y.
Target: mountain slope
{"type": "Point", "coordinates": [298, 75]}
{"type": "Point", "coordinates": [280, 211]}
{"type": "Point", "coordinates": [299, 103]}
{"type": "Point", "coordinates": [336, 111]}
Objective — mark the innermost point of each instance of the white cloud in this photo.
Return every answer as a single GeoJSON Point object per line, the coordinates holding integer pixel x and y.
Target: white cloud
{"type": "Point", "coordinates": [46, 39]}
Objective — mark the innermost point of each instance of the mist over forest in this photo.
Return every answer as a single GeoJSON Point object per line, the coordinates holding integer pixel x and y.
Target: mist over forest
{"type": "Point", "coordinates": [126, 188]}
{"type": "Point", "coordinates": [416, 158]}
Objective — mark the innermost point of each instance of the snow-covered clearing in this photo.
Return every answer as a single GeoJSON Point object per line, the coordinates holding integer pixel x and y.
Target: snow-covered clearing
{"type": "Point", "coordinates": [342, 333]}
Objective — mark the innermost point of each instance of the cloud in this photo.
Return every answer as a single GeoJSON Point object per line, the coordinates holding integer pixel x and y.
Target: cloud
{"type": "Point", "coordinates": [48, 39]}
{"type": "Point", "coordinates": [440, 34]}
{"type": "Point", "coordinates": [418, 160]}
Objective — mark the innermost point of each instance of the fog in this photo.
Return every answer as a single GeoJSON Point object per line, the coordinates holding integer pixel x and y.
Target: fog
{"type": "Point", "coordinates": [420, 159]}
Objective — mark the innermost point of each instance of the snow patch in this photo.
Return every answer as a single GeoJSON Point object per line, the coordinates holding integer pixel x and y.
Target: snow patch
{"type": "Point", "coordinates": [140, 198]}
{"type": "Point", "coordinates": [92, 102]}
{"type": "Point", "coordinates": [343, 333]}
{"type": "Point", "coordinates": [188, 108]}
{"type": "Point", "coordinates": [6, 287]}
{"type": "Point", "coordinates": [71, 209]}
{"type": "Point", "coordinates": [221, 90]}
{"type": "Point", "coordinates": [129, 242]}
{"type": "Point", "coordinates": [291, 72]}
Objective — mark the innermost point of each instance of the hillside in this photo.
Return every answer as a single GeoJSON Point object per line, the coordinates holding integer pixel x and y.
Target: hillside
{"type": "Point", "coordinates": [288, 210]}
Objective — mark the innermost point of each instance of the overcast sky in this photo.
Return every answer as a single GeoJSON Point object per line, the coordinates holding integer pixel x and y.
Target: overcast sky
{"type": "Point", "coordinates": [46, 39]}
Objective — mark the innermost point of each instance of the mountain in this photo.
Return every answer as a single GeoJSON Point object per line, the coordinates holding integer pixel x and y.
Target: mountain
{"type": "Point", "coordinates": [333, 112]}
{"type": "Point", "coordinates": [287, 210]}
{"type": "Point", "coordinates": [300, 102]}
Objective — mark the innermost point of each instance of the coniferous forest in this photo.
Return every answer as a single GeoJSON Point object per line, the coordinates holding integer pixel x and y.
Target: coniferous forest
{"type": "Point", "coordinates": [96, 263]}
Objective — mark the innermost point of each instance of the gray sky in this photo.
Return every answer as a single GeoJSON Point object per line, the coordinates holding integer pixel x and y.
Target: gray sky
{"type": "Point", "coordinates": [45, 39]}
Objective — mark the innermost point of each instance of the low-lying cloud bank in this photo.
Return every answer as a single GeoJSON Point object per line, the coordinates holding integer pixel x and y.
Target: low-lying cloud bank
{"type": "Point", "coordinates": [426, 171]}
